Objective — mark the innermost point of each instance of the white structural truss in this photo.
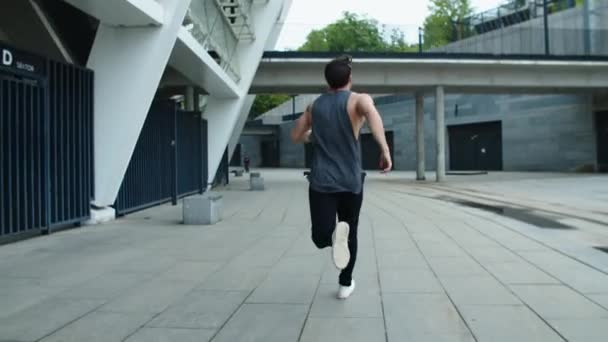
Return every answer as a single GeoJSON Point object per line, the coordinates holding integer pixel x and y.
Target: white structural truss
{"type": "Point", "coordinates": [215, 44]}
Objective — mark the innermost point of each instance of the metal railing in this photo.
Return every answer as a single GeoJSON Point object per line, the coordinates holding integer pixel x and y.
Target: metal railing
{"type": "Point", "coordinates": [215, 28]}
{"type": "Point", "coordinates": [520, 27]}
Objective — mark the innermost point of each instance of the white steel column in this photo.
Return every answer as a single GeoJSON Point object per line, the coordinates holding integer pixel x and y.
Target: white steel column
{"type": "Point", "coordinates": [440, 132]}
{"type": "Point", "coordinates": [420, 148]}
{"type": "Point", "coordinates": [128, 64]}
{"type": "Point", "coordinates": [223, 114]}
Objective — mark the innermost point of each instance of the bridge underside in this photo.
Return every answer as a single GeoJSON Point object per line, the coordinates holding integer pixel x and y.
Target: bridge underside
{"type": "Point", "coordinates": [458, 74]}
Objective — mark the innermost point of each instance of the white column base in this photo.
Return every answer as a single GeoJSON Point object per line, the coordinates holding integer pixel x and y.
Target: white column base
{"type": "Point", "coordinates": [101, 215]}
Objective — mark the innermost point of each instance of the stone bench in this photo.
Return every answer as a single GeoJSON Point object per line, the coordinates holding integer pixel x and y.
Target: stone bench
{"type": "Point", "coordinates": [256, 181]}
{"type": "Point", "coordinates": [237, 173]}
{"type": "Point", "coordinates": [203, 209]}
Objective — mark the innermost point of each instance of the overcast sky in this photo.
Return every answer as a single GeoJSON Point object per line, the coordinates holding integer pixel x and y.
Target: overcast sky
{"type": "Point", "coordinates": [407, 15]}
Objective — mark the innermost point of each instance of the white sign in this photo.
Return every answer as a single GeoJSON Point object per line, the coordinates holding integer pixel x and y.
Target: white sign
{"type": "Point", "coordinates": [7, 58]}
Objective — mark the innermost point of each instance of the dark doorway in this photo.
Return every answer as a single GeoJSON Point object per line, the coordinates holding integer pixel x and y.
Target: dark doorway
{"type": "Point", "coordinates": [270, 153]}
{"type": "Point", "coordinates": [308, 151]}
{"type": "Point", "coordinates": [602, 141]}
{"type": "Point", "coordinates": [236, 156]}
{"type": "Point", "coordinates": [370, 152]}
{"type": "Point", "coordinates": [476, 146]}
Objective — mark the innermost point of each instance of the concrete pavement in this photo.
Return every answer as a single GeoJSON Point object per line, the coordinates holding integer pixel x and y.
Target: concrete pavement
{"type": "Point", "coordinates": [428, 270]}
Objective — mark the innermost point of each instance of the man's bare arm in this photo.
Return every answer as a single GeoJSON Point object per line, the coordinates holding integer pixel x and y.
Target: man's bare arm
{"type": "Point", "coordinates": [366, 108]}
{"type": "Point", "coordinates": [301, 131]}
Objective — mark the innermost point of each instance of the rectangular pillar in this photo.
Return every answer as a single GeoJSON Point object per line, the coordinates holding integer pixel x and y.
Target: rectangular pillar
{"type": "Point", "coordinates": [440, 132]}
{"type": "Point", "coordinates": [420, 148]}
{"type": "Point", "coordinates": [189, 99]}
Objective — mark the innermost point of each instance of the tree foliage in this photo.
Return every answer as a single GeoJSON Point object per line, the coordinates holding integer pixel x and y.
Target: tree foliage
{"type": "Point", "coordinates": [355, 33]}
{"type": "Point", "coordinates": [351, 33]}
{"type": "Point", "coordinates": [447, 22]}
{"type": "Point", "coordinates": [266, 102]}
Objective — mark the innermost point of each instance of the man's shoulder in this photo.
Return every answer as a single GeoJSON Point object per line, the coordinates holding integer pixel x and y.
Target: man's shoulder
{"type": "Point", "coordinates": [358, 98]}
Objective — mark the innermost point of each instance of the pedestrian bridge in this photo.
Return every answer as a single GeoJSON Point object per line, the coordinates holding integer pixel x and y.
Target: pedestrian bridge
{"type": "Point", "coordinates": [302, 72]}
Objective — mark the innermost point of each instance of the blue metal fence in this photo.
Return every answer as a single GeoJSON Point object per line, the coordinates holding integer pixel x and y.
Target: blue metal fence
{"type": "Point", "coordinates": [22, 145]}
{"type": "Point", "coordinates": [71, 143]}
{"type": "Point", "coordinates": [46, 145]}
{"type": "Point", "coordinates": [189, 154]}
{"type": "Point", "coordinates": [169, 161]}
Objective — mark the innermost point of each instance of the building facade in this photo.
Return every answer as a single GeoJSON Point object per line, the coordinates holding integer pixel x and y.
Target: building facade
{"type": "Point", "coordinates": [122, 104]}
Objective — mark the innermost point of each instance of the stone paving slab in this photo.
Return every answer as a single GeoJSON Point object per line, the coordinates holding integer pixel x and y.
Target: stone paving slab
{"type": "Point", "coordinates": [171, 335]}
{"type": "Point", "coordinates": [410, 316]}
{"type": "Point", "coordinates": [100, 327]}
{"type": "Point", "coordinates": [427, 270]}
{"type": "Point", "coordinates": [366, 304]}
{"type": "Point", "coordinates": [44, 318]}
{"type": "Point", "coordinates": [504, 323]}
{"type": "Point", "coordinates": [200, 310]}
{"type": "Point", "coordinates": [558, 302]}
{"type": "Point", "coordinates": [265, 322]}
{"type": "Point", "coordinates": [582, 330]}
{"type": "Point", "coordinates": [348, 329]}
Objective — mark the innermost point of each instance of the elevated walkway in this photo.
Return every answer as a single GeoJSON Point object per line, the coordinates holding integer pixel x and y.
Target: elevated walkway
{"type": "Point", "coordinates": [302, 72]}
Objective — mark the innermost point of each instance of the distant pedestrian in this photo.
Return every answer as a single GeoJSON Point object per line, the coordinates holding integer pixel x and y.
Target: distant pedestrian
{"type": "Point", "coordinates": [246, 162]}
{"type": "Point", "coordinates": [332, 123]}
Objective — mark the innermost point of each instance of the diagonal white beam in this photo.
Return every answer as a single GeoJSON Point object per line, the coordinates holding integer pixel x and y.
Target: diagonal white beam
{"type": "Point", "coordinates": [128, 63]}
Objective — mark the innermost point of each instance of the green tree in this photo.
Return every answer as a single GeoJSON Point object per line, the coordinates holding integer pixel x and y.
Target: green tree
{"type": "Point", "coordinates": [447, 22]}
{"type": "Point", "coordinates": [266, 102]}
{"type": "Point", "coordinates": [355, 33]}
{"type": "Point", "coordinates": [351, 33]}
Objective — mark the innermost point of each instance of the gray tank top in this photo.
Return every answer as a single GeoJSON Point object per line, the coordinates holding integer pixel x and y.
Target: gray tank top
{"type": "Point", "coordinates": [336, 160]}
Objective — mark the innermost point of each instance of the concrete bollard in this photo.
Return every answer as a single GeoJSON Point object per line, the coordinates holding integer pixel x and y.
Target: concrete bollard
{"type": "Point", "coordinates": [204, 209]}
{"type": "Point", "coordinates": [256, 182]}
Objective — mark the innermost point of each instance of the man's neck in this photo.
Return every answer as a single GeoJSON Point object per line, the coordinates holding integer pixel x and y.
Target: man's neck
{"type": "Point", "coordinates": [335, 90]}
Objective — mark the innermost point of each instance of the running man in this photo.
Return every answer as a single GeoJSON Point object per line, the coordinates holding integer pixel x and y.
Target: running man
{"type": "Point", "coordinates": [332, 123]}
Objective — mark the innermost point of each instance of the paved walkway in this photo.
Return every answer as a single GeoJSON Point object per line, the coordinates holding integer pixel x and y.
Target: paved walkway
{"type": "Point", "coordinates": [428, 270]}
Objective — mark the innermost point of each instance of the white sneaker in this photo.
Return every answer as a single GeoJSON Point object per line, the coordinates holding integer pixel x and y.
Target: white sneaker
{"type": "Point", "coordinates": [345, 291]}
{"type": "Point", "coordinates": [340, 252]}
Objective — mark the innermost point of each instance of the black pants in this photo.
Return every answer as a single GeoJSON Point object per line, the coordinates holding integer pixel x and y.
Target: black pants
{"type": "Point", "coordinates": [323, 210]}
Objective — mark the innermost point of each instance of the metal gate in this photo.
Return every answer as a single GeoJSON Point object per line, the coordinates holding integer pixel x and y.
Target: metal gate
{"type": "Point", "coordinates": [70, 143]}
{"type": "Point", "coordinates": [169, 160]}
{"type": "Point", "coordinates": [602, 141]}
{"type": "Point", "coordinates": [46, 145]}
{"type": "Point", "coordinates": [23, 199]}
{"type": "Point", "coordinates": [371, 153]}
{"type": "Point", "coordinates": [476, 146]}
{"type": "Point", "coordinates": [190, 154]}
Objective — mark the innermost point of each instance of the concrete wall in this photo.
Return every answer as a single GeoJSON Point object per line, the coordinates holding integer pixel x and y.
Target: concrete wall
{"type": "Point", "coordinates": [540, 133]}
{"type": "Point", "coordinates": [250, 145]}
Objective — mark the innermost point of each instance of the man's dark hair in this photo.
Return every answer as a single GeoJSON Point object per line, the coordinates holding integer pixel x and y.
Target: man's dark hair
{"type": "Point", "coordinates": [337, 72]}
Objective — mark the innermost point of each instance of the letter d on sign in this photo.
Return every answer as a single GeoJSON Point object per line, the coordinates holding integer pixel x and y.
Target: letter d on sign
{"type": "Point", "coordinates": [7, 58]}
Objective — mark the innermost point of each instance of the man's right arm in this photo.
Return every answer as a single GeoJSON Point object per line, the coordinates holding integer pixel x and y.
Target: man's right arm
{"type": "Point", "coordinates": [366, 108]}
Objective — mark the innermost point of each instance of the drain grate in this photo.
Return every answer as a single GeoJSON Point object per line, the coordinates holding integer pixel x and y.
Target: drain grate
{"type": "Point", "coordinates": [522, 215]}
{"type": "Point", "coordinates": [602, 249]}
